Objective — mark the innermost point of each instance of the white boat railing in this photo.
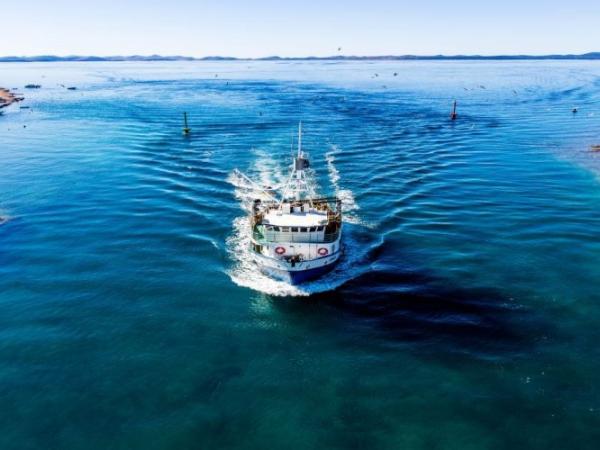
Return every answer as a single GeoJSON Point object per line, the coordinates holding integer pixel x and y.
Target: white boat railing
{"type": "Point", "coordinates": [300, 238]}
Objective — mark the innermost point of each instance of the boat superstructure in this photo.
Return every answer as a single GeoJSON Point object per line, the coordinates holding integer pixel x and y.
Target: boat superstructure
{"type": "Point", "coordinates": [296, 237]}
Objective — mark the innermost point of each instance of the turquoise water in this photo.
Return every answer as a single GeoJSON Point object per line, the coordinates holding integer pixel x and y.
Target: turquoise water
{"type": "Point", "coordinates": [466, 312]}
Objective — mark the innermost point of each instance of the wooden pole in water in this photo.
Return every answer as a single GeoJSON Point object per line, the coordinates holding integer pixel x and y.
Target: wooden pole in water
{"type": "Point", "coordinates": [186, 128]}
{"type": "Point", "coordinates": [453, 115]}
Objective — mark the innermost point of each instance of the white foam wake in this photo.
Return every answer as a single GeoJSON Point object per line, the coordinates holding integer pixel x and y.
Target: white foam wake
{"type": "Point", "coordinates": [349, 206]}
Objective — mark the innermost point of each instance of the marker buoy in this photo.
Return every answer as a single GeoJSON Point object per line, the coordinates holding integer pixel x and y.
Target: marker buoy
{"type": "Point", "coordinates": [186, 128]}
{"type": "Point", "coordinates": [453, 115]}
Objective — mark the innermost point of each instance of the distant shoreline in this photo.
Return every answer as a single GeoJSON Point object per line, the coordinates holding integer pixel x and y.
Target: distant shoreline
{"type": "Point", "coordinates": [74, 58]}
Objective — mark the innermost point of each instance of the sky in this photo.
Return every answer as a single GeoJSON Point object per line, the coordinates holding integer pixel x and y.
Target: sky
{"type": "Point", "coordinates": [257, 28]}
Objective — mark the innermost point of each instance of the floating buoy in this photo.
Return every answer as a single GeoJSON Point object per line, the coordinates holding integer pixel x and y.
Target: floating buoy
{"type": "Point", "coordinates": [574, 110]}
{"type": "Point", "coordinates": [453, 115]}
{"type": "Point", "coordinates": [186, 128]}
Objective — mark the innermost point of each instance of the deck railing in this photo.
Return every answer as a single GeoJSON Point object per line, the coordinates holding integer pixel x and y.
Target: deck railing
{"type": "Point", "coordinates": [300, 238]}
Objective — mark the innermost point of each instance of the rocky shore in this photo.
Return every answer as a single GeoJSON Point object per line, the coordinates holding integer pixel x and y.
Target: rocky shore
{"type": "Point", "coordinates": [8, 98]}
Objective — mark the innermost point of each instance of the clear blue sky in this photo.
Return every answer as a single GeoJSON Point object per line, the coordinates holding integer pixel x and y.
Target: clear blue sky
{"type": "Point", "coordinates": [256, 28]}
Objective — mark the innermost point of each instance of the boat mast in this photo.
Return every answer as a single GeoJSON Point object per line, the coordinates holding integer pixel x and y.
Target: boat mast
{"type": "Point", "coordinates": [300, 184]}
{"type": "Point", "coordinates": [297, 183]}
{"type": "Point", "coordinates": [300, 139]}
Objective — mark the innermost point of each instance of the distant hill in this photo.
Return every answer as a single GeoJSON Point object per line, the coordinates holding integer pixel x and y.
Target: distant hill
{"type": "Point", "coordinates": [52, 58]}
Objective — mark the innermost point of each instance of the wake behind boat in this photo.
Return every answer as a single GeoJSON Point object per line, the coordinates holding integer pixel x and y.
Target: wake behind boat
{"type": "Point", "coordinates": [296, 237]}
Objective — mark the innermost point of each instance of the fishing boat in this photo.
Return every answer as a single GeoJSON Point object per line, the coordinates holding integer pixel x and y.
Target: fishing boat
{"type": "Point", "coordinates": [296, 237]}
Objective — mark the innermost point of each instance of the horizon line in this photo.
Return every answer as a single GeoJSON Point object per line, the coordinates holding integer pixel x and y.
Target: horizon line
{"type": "Point", "coordinates": [156, 57]}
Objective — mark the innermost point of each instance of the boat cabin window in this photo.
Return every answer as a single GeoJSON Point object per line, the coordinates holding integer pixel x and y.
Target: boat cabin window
{"type": "Point", "coordinates": [303, 230]}
{"type": "Point", "coordinates": [313, 229]}
{"type": "Point", "coordinates": [275, 228]}
{"type": "Point", "coordinates": [294, 229]}
{"type": "Point", "coordinates": [285, 229]}
{"type": "Point", "coordinates": [320, 228]}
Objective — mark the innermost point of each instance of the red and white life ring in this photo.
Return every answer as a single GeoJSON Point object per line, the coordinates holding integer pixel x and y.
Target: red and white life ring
{"type": "Point", "coordinates": [279, 250]}
{"type": "Point", "coordinates": [323, 251]}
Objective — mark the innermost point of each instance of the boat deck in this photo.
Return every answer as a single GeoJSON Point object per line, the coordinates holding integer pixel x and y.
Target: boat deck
{"type": "Point", "coordinates": [295, 219]}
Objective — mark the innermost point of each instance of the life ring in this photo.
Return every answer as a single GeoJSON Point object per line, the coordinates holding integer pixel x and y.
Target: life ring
{"type": "Point", "coordinates": [279, 250]}
{"type": "Point", "coordinates": [323, 251]}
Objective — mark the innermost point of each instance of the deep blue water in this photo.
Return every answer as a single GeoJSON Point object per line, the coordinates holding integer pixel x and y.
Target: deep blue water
{"type": "Point", "coordinates": [466, 312]}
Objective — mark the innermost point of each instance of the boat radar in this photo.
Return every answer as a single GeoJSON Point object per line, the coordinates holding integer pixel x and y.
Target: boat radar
{"type": "Point", "coordinates": [296, 237]}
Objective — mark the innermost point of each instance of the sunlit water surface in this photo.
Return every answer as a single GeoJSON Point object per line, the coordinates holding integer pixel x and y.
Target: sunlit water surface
{"type": "Point", "coordinates": [465, 313]}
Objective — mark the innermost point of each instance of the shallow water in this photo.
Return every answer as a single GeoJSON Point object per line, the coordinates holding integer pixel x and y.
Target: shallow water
{"type": "Point", "coordinates": [465, 313]}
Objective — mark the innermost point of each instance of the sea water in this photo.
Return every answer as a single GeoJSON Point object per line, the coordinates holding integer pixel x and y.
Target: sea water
{"type": "Point", "coordinates": [465, 312]}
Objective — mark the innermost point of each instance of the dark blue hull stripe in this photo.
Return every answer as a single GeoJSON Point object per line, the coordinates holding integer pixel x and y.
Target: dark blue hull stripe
{"type": "Point", "coordinates": [300, 276]}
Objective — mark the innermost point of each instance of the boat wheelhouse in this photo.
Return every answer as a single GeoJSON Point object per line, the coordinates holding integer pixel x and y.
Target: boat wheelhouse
{"type": "Point", "coordinates": [298, 237]}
